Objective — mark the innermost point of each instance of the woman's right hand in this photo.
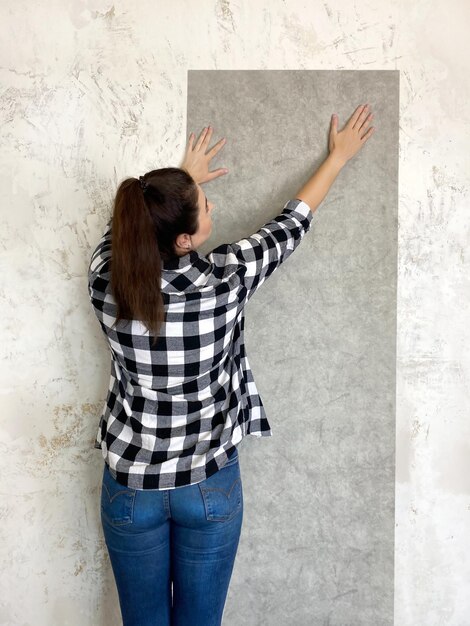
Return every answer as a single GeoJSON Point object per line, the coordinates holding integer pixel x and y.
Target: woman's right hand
{"type": "Point", "coordinates": [344, 144]}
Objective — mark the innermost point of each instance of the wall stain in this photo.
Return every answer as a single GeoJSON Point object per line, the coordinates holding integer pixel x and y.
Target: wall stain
{"type": "Point", "coordinates": [107, 15]}
{"type": "Point", "coordinates": [72, 424]}
{"type": "Point", "coordinates": [224, 15]}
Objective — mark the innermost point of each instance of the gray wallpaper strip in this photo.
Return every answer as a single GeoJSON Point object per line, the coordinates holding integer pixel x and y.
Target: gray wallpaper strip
{"type": "Point", "coordinates": [317, 544]}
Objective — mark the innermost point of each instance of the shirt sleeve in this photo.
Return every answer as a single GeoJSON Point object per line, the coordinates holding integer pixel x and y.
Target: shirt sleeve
{"type": "Point", "coordinates": [255, 258]}
{"type": "Point", "coordinates": [99, 273]}
{"type": "Point", "coordinates": [102, 252]}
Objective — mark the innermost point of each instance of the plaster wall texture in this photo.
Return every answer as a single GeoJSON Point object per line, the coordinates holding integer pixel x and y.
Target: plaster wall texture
{"type": "Point", "coordinates": [95, 91]}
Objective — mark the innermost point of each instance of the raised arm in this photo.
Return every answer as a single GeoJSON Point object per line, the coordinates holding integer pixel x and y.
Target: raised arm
{"type": "Point", "coordinates": [343, 146]}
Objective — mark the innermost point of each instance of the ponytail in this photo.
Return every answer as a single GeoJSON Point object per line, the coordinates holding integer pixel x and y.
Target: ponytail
{"type": "Point", "coordinates": [148, 215]}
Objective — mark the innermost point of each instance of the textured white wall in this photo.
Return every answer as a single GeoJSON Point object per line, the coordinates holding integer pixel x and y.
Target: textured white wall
{"type": "Point", "coordinates": [93, 91]}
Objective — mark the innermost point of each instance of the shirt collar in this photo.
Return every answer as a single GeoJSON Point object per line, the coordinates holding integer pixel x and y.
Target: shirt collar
{"type": "Point", "coordinates": [183, 274]}
{"type": "Point", "coordinates": [181, 262]}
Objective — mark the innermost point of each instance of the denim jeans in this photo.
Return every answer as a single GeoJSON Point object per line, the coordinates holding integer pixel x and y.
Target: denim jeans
{"type": "Point", "coordinates": [172, 551]}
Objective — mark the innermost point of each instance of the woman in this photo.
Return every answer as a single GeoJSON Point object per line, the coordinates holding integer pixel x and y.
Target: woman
{"type": "Point", "coordinates": [182, 395]}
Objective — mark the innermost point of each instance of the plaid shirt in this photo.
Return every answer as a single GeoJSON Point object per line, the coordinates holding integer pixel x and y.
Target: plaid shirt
{"type": "Point", "coordinates": [175, 411]}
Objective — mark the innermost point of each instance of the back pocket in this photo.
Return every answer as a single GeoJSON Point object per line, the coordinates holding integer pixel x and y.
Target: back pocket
{"type": "Point", "coordinates": [117, 501]}
{"type": "Point", "coordinates": [222, 492]}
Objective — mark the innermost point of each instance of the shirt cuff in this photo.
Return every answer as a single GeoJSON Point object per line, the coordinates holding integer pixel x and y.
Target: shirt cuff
{"type": "Point", "coordinates": [296, 205]}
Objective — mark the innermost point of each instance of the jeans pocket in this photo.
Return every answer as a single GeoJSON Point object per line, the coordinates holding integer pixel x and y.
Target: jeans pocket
{"type": "Point", "coordinates": [222, 492]}
{"type": "Point", "coordinates": [117, 501]}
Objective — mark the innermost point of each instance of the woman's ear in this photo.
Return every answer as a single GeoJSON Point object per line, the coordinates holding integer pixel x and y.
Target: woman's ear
{"type": "Point", "coordinates": [183, 241]}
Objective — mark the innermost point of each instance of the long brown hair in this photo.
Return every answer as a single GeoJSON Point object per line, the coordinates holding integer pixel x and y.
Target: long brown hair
{"type": "Point", "coordinates": [145, 225]}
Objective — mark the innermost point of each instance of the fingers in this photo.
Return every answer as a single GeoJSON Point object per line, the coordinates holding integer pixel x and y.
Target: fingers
{"type": "Point", "coordinates": [204, 141]}
{"type": "Point", "coordinates": [190, 142]}
{"type": "Point", "coordinates": [218, 146]}
{"type": "Point", "coordinates": [368, 134]}
{"type": "Point", "coordinates": [366, 122]}
{"type": "Point", "coordinates": [334, 123]}
{"type": "Point", "coordinates": [201, 139]}
{"type": "Point", "coordinates": [216, 173]}
{"type": "Point", "coordinates": [360, 118]}
{"type": "Point", "coordinates": [208, 135]}
{"type": "Point", "coordinates": [358, 114]}
{"type": "Point", "coordinates": [355, 116]}
{"type": "Point", "coordinates": [205, 138]}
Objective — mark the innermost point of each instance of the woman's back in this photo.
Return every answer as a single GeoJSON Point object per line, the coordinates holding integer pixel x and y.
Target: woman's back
{"type": "Point", "coordinates": [174, 410]}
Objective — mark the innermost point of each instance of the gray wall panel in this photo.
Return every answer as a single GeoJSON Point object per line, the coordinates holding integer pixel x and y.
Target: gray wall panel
{"type": "Point", "coordinates": [317, 544]}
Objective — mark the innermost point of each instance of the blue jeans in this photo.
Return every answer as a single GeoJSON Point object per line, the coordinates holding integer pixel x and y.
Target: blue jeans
{"type": "Point", "coordinates": [185, 537]}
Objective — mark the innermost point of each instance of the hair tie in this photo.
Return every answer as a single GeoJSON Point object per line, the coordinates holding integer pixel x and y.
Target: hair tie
{"type": "Point", "coordinates": [143, 183]}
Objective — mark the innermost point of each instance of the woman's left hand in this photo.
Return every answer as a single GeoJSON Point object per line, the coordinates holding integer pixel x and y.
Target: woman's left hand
{"type": "Point", "coordinates": [196, 162]}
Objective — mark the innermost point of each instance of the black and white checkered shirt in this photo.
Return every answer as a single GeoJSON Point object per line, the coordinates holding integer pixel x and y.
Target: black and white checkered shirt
{"type": "Point", "coordinates": [175, 411]}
